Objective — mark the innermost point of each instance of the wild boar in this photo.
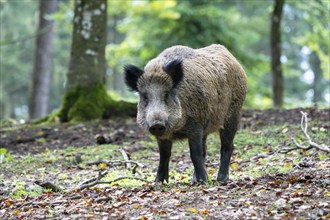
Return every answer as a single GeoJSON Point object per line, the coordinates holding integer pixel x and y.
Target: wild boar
{"type": "Point", "coordinates": [190, 93]}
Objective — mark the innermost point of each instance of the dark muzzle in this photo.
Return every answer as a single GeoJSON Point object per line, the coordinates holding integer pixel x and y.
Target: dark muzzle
{"type": "Point", "coordinates": [157, 129]}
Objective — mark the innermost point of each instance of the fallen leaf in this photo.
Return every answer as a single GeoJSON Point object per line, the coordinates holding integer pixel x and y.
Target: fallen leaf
{"type": "Point", "coordinates": [304, 207]}
{"type": "Point", "coordinates": [16, 212]}
{"type": "Point", "coordinates": [192, 210]}
{"type": "Point", "coordinates": [280, 202]}
{"type": "Point", "coordinates": [297, 193]}
{"type": "Point", "coordinates": [234, 165]}
{"type": "Point", "coordinates": [287, 165]}
{"type": "Point", "coordinates": [296, 200]}
{"type": "Point", "coordinates": [204, 211]}
{"type": "Point", "coordinates": [102, 166]}
{"type": "Point", "coordinates": [212, 171]}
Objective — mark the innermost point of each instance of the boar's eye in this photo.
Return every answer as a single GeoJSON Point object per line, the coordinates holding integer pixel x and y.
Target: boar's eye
{"type": "Point", "coordinates": [167, 96]}
{"type": "Point", "coordinates": [144, 98]}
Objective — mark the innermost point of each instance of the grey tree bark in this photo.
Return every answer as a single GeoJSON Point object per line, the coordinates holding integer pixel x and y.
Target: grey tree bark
{"type": "Point", "coordinates": [42, 68]}
{"type": "Point", "coordinates": [85, 97]}
{"type": "Point", "coordinates": [275, 47]}
{"type": "Point", "coordinates": [87, 60]}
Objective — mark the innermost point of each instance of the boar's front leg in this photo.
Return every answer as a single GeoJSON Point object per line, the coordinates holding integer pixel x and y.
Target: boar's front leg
{"type": "Point", "coordinates": [197, 154]}
{"type": "Point", "coordinates": [165, 147]}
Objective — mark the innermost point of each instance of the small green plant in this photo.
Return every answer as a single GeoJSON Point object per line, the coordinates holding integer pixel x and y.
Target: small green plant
{"type": "Point", "coordinates": [4, 155]}
{"type": "Point", "coordinates": [21, 189]}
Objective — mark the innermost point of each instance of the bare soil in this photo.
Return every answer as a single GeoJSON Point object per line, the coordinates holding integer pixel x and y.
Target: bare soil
{"type": "Point", "coordinates": [19, 139]}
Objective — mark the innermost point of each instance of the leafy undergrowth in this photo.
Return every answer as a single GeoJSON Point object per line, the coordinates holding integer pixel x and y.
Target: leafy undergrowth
{"type": "Point", "coordinates": [264, 182]}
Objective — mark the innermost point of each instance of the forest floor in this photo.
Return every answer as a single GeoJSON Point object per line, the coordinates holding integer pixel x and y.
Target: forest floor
{"type": "Point", "coordinates": [60, 172]}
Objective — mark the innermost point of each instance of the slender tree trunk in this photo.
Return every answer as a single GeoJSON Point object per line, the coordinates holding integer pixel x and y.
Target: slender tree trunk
{"type": "Point", "coordinates": [275, 39]}
{"type": "Point", "coordinates": [315, 63]}
{"type": "Point", "coordinates": [41, 75]}
{"type": "Point", "coordinates": [117, 80]}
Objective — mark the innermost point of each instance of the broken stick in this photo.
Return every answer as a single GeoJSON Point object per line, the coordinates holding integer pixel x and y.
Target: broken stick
{"type": "Point", "coordinates": [312, 144]}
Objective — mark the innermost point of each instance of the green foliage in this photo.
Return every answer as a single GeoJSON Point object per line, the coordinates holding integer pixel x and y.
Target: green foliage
{"type": "Point", "coordinates": [21, 190]}
{"type": "Point", "coordinates": [4, 155]}
{"type": "Point", "coordinates": [317, 39]}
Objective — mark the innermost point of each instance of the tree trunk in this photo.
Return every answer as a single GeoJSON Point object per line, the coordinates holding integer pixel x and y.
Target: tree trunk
{"type": "Point", "coordinates": [117, 82]}
{"type": "Point", "coordinates": [86, 97]}
{"type": "Point", "coordinates": [315, 63]}
{"type": "Point", "coordinates": [41, 75]}
{"type": "Point", "coordinates": [87, 61]}
{"type": "Point", "coordinates": [275, 38]}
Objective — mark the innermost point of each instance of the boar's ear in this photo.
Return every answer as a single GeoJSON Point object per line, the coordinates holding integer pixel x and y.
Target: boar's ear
{"type": "Point", "coordinates": [132, 74]}
{"type": "Point", "coordinates": [174, 69]}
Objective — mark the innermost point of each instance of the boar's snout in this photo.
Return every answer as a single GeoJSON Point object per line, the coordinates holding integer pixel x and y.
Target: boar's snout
{"type": "Point", "coordinates": [157, 129]}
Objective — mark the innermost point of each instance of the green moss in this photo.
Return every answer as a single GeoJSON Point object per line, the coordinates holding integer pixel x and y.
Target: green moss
{"type": "Point", "coordinates": [89, 104]}
{"type": "Point", "coordinates": [81, 104]}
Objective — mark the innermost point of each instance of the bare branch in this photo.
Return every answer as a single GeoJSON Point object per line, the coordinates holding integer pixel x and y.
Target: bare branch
{"type": "Point", "coordinates": [97, 182]}
{"type": "Point", "coordinates": [27, 37]}
{"type": "Point", "coordinates": [257, 157]}
{"type": "Point", "coordinates": [93, 181]}
{"type": "Point", "coordinates": [312, 144]}
{"type": "Point", "coordinates": [116, 162]}
{"type": "Point", "coordinates": [125, 156]}
{"type": "Point", "coordinates": [43, 203]}
{"type": "Point", "coordinates": [101, 175]}
{"type": "Point", "coordinates": [49, 185]}
{"type": "Point", "coordinates": [122, 178]}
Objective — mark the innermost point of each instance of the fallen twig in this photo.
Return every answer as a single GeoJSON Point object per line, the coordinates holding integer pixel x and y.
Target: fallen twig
{"type": "Point", "coordinates": [114, 137]}
{"type": "Point", "coordinates": [254, 158]}
{"type": "Point", "coordinates": [97, 182]}
{"type": "Point", "coordinates": [49, 185]}
{"type": "Point", "coordinates": [250, 160]}
{"type": "Point", "coordinates": [125, 156]}
{"type": "Point", "coordinates": [92, 181]}
{"type": "Point", "coordinates": [312, 144]}
{"type": "Point", "coordinates": [101, 175]}
{"type": "Point", "coordinates": [117, 162]}
{"type": "Point", "coordinates": [120, 178]}
{"type": "Point", "coordinates": [102, 199]}
{"type": "Point", "coordinates": [42, 203]}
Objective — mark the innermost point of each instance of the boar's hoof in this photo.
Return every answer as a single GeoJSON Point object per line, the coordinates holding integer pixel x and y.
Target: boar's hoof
{"type": "Point", "coordinates": [222, 179]}
{"type": "Point", "coordinates": [157, 130]}
{"type": "Point", "coordinates": [161, 181]}
{"type": "Point", "coordinates": [202, 181]}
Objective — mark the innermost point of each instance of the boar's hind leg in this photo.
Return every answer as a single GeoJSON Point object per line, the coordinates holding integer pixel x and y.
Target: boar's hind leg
{"type": "Point", "coordinates": [165, 147]}
{"type": "Point", "coordinates": [227, 135]}
{"type": "Point", "coordinates": [204, 157]}
{"type": "Point", "coordinates": [197, 153]}
{"type": "Point", "coordinates": [204, 148]}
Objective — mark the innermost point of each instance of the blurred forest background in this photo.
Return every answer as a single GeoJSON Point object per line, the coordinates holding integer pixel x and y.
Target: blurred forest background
{"type": "Point", "coordinates": [138, 30]}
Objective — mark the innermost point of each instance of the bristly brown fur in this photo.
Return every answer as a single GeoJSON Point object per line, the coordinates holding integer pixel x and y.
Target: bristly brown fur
{"type": "Point", "coordinates": [212, 89]}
